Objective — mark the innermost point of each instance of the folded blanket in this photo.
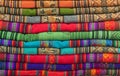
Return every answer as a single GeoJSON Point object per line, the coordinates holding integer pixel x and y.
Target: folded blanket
{"type": "Point", "coordinates": [60, 44]}
{"type": "Point", "coordinates": [61, 35]}
{"type": "Point", "coordinates": [56, 67]}
{"type": "Point", "coordinates": [58, 19]}
{"type": "Point", "coordinates": [57, 27]}
{"type": "Point", "coordinates": [62, 59]}
{"type": "Point", "coordinates": [59, 11]}
{"type": "Point", "coordinates": [62, 51]}
{"type": "Point", "coordinates": [61, 3]}
{"type": "Point", "coordinates": [92, 72]}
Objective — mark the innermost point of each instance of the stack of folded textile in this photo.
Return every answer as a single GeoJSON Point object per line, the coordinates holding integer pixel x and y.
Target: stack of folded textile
{"type": "Point", "coordinates": [59, 38]}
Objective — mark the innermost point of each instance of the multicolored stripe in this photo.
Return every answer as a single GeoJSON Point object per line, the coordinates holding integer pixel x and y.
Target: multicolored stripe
{"type": "Point", "coordinates": [58, 19]}
{"type": "Point", "coordinates": [92, 72]}
{"type": "Point", "coordinates": [59, 27]}
{"type": "Point", "coordinates": [60, 3]}
{"type": "Point", "coordinates": [58, 11]}
{"type": "Point", "coordinates": [56, 67]}
{"type": "Point", "coordinates": [62, 59]}
{"type": "Point", "coordinates": [60, 35]}
{"type": "Point", "coordinates": [61, 51]}
{"type": "Point", "coordinates": [60, 44]}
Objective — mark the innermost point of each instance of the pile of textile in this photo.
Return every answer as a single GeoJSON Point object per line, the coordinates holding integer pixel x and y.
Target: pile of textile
{"type": "Point", "coordinates": [59, 37]}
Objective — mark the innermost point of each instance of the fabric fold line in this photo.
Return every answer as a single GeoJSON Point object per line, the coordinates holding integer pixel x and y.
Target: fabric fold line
{"type": "Point", "coordinates": [59, 11]}
{"type": "Point", "coordinates": [57, 67]}
{"type": "Point", "coordinates": [59, 19]}
{"type": "Point", "coordinates": [59, 27]}
{"type": "Point", "coordinates": [61, 44]}
{"type": "Point", "coordinates": [59, 51]}
{"type": "Point", "coordinates": [62, 59]}
{"type": "Point", "coordinates": [61, 3]}
{"type": "Point", "coordinates": [113, 35]}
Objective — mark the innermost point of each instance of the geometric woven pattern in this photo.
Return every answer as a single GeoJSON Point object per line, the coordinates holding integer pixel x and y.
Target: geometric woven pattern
{"type": "Point", "coordinates": [59, 37]}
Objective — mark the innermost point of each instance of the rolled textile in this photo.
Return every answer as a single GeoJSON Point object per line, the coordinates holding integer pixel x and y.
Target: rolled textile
{"type": "Point", "coordinates": [58, 19]}
{"type": "Point", "coordinates": [58, 11]}
{"type": "Point", "coordinates": [60, 44]}
{"type": "Point", "coordinates": [18, 50]}
{"type": "Point", "coordinates": [56, 67]}
{"type": "Point", "coordinates": [62, 3]}
{"type": "Point", "coordinates": [61, 51]}
{"type": "Point", "coordinates": [92, 72]}
{"type": "Point", "coordinates": [61, 35]}
{"type": "Point", "coordinates": [59, 27]}
{"type": "Point", "coordinates": [62, 59]}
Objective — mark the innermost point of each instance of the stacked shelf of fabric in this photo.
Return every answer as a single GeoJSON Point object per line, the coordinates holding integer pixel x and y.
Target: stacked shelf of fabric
{"type": "Point", "coordinates": [59, 38]}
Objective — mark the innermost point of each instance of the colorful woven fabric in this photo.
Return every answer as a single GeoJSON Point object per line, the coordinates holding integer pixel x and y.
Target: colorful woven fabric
{"type": "Point", "coordinates": [56, 67]}
{"type": "Point", "coordinates": [56, 27]}
{"type": "Point", "coordinates": [62, 51]}
{"type": "Point", "coordinates": [15, 50]}
{"type": "Point", "coordinates": [62, 59]}
{"type": "Point", "coordinates": [66, 18]}
{"type": "Point", "coordinates": [59, 11]}
{"type": "Point", "coordinates": [92, 72]}
{"type": "Point", "coordinates": [60, 44]}
{"type": "Point", "coordinates": [61, 35]}
{"type": "Point", "coordinates": [61, 3]}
